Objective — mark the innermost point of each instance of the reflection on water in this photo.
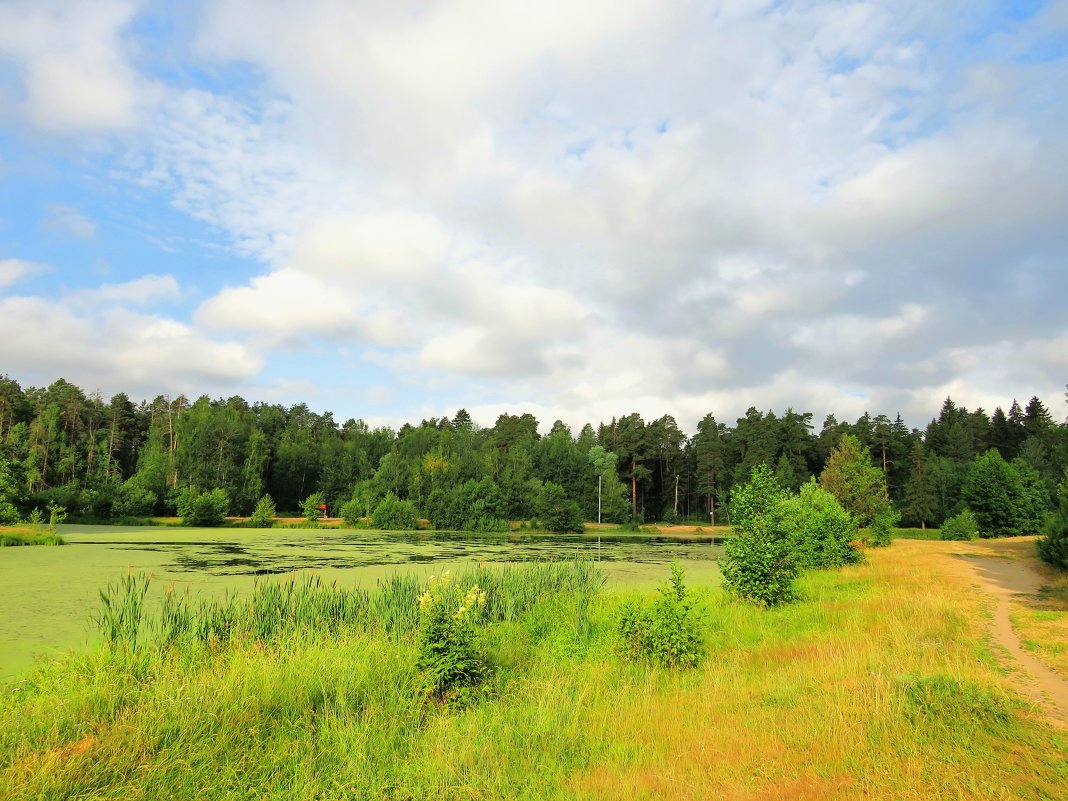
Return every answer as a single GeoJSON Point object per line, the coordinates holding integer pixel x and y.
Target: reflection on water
{"type": "Point", "coordinates": [285, 550]}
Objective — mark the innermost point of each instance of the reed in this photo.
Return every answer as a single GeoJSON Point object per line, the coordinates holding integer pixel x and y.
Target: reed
{"type": "Point", "coordinates": [283, 607]}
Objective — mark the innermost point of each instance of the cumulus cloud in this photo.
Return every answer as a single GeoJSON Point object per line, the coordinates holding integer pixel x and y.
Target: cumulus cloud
{"type": "Point", "coordinates": [610, 206]}
{"type": "Point", "coordinates": [76, 75]}
{"type": "Point", "coordinates": [114, 347]}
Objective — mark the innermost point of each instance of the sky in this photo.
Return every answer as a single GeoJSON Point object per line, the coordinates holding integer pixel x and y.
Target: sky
{"type": "Point", "coordinates": [581, 209]}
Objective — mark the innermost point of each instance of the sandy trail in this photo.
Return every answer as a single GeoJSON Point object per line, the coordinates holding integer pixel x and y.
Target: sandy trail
{"type": "Point", "coordinates": [1007, 579]}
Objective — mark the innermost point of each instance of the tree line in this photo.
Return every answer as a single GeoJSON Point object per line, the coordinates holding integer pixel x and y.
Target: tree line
{"type": "Point", "coordinates": [105, 460]}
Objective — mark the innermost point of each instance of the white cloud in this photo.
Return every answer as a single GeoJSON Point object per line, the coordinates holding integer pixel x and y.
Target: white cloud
{"type": "Point", "coordinates": [143, 291]}
{"type": "Point", "coordinates": [283, 303]}
{"type": "Point", "coordinates": [76, 74]}
{"type": "Point", "coordinates": [388, 248]}
{"type": "Point", "coordinates": [108, 346]}
{"type": "Point", "coordinates": [614, 205]}
{"type": "Point", "coordinates": [14, 270]}
{"type": "Point", "coordinates": [68, 221]}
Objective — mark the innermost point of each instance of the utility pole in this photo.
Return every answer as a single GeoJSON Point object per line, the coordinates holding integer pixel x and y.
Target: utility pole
{"type": "Point", "coordinates": [676, 495]}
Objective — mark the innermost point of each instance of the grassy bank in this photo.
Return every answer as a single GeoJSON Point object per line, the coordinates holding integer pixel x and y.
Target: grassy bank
{"type": "Point", "coordinates": [21, 535]}
{"type": "Point", "coordinates": [877, 684]}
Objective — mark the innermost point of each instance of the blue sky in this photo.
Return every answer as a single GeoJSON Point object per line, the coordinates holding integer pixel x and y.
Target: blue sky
{"type": "Point", "coordinates": [581, 210]}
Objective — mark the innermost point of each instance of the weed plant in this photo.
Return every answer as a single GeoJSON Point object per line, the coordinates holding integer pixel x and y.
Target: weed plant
{"type": "Point", "coordinates": [452, 665]}
{"type": "Point", "coordinates": [666, 631]}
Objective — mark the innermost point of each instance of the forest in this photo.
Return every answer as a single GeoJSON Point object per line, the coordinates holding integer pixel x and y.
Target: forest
{"type": "Point", "coordinates": [120, 459]}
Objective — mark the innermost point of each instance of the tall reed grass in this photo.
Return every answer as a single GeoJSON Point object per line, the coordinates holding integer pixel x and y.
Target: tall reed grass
{"type": "Point", "coordinates": [279, 608]}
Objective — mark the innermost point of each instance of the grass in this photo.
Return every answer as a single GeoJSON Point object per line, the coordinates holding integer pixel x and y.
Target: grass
{"type": "Point", "coordinates": [20, 535]}
{"type": "Point", "coordinates": [916, 533]}
{"type": "Point", "coordinates": [877, 684]}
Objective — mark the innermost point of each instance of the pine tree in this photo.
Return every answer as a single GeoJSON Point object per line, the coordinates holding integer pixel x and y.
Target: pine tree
{"type": "Point", "coordinates": [851, 477]}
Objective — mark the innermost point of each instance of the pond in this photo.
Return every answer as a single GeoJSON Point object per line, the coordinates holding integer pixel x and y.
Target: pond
{"type": "Point", "coordinates": [50, 593]}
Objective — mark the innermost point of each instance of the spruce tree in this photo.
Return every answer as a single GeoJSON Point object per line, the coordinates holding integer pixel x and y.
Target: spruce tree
{"type": "Point", "coordinates": [921, 493]}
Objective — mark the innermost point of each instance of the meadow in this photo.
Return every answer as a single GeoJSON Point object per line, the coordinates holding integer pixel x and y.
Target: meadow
{"type": "Point", "coordinates": [880, 682]}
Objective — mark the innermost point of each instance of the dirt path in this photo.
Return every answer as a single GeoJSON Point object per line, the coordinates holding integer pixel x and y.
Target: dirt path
{"type": "Point", "coordinates": [1007, 579]}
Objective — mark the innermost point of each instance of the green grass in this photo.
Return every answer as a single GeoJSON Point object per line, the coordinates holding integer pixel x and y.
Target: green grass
{"type": "Point", "coordinates": [877, 684]}
{"type": "Point", "coordinates": [916, 533]}
{"type": "Point", "coordinates": [15, 536]}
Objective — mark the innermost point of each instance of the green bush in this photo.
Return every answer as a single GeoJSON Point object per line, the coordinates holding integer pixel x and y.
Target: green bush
{"type": "Point", "coordinates": [961, 527]}
{"type": "Point", "coordinates": [202, 508]}
{"type": "Point", "coordinates": [759, 562]}
{"type": "Point", "coordinates": [393, 514]}
{"type": "Point", "coordinates": [1053, 548]}
{"type": "Point", "coordinates": [56, 515]}
{"type": "Point", "coordinates": [452, 666]}
{"type": "Point", "coordinates": [264, 514]}
{"type": "Point", "coordinates": [352, 513]}
{"type": "Point", "coordinates": [666, 631]}
{"type": "Point", "coordinates": [882, 527]}
{"type": "Point", "coordinates": [820, 529]}
{"type": "Point", "coordinates": [310, 507]}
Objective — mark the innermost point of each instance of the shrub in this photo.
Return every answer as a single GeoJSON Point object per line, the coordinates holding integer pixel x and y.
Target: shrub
{"type": "Point", "coordinates": [820, 529]}
{"type": "Point", "coordinates": [756, 497]}
{"type": "Point", "coordinates": [759, 563]}
{"type": "Point", "coordinates": [56, 515]}
{"type": "Point", "coordinates": [9, 515]}
{"type": "Point", "coordinates": [882, 527]}
{"type": "Point", "coordinates": [666, 631]}
{"type": "Point", "coordinates": [310, 507]}
{"type": "Point", "coordinates": [393, 514]}
{"type": "Point", "coordinates": [352, 513]}
{"type": "Point", "coordinates": [1053, 548]}
{"type": "Point", "coordinates": [203, 508]}
{"type": "Point", "coordinates": [472, 506]}
{"type": "Point", "coordinates": [961, 527]}
{"type": "Point", "coordinates": [451, 663]}
{"type": "Point", "coordinates": [264, 514]}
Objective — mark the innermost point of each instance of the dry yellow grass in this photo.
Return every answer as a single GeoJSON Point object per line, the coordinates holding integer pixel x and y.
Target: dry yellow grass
{"type": "Point", "coordinates": [827, 713]}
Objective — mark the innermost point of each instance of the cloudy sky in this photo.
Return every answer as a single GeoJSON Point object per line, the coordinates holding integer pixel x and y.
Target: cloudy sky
{"type": "Point", "coordinates": [581, 209]}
